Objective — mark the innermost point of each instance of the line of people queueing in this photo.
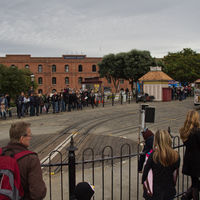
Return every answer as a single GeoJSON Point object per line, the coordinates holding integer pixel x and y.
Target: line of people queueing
{"type": "Point", "coordinates": [35, 104]}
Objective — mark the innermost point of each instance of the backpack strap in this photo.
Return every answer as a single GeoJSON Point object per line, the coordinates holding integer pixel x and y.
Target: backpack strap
{"type": "Point", "coordinates": [22, 154]}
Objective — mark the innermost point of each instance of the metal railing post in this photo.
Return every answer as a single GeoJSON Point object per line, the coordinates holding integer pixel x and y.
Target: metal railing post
{"type": "Point", "coordinates": [71, 168]}
{"type": "Point", "coordinates": [112, 99]}
{"type": "Point", "coordinates": [103, 99]}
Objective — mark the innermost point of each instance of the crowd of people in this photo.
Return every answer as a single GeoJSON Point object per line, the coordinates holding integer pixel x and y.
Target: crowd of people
{"type": "Point", "coordinates": [67, 99]}
{"type": "Point", "coordinates": [34, 104]}
{"type": "Point", "coordinates": [181, 93]}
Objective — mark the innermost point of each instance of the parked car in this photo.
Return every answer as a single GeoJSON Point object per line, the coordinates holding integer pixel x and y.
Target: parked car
{"type": "Point", "coordinates": [144, 97]}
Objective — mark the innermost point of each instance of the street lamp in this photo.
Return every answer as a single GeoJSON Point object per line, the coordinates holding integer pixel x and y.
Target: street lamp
{"type": "Point", "coordinates": [32, 79]}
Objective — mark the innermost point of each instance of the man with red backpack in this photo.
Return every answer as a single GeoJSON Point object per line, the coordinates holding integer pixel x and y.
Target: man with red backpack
{"type": "Point", "coordinates": [25, 180]}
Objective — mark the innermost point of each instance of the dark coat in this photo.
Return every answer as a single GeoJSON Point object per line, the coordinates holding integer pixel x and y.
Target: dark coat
{"type": "Point", "coordinates": [163, 181]}
{"type": "Point", "coordinates": [147, 147]}
{"type": "Point", "coordinates": [30, 173]}
{"type": "Point", "coordinates": [191, 161]}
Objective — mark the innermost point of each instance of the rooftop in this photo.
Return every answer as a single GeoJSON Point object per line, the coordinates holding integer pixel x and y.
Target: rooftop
{"type": "Point", "coordinates": [155, 75]}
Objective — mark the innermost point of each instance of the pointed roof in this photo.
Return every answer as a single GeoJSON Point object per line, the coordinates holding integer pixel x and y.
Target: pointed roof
{"type": "Point", "coordinates": [155, 75]}
{"type": "Point", "coordinates": [197, 81]}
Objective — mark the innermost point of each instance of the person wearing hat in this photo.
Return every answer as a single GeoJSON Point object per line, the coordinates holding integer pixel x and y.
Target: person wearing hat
{"type": "Point", "coordinates": [148, 145]}
{"type": "Point", "coordinates": [83, 191]}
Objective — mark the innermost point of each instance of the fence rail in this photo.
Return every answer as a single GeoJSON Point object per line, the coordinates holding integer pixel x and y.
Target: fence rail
{"type": "Point", "coordinates": [114, 177]}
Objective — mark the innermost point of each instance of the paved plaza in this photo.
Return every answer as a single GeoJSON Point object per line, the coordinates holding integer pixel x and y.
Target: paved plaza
{"type": "Point", "coordinates": [117, 121]}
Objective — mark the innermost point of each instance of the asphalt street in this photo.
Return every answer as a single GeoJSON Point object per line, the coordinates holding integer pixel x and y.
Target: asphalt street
{"type": "Point", "coordinates": [111, 125]}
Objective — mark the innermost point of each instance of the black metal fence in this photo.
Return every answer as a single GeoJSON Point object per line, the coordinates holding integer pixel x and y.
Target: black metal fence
{"type": "Point", "coordinates": [114, 176]}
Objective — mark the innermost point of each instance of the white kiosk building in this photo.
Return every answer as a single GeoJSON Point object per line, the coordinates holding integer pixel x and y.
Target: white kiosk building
{"type": "Point", "coordinates": [155, 83]}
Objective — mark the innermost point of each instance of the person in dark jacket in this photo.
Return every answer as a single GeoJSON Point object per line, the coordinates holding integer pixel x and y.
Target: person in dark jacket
{"type": "Point", "coordinates": [20, 105]}
{"type": "Point", "coordinates": [29, 166]}
{"type": "Point", "coordinates": [32, 105]}
{"type": "Point", "coordinates": [37, 103]}
{"type": "Point", "coordinates": [84, 191]}
{"type": "Point", "coordinates": [7, 96]}
{"type": "Point", "coordinates": [164, 162]}
{"type": "Point", "coordinates": [190, 135]}
{"type": "Point", "coordinates": [70, 101]}
{"type": "Point", "coordinates": [148, 146]}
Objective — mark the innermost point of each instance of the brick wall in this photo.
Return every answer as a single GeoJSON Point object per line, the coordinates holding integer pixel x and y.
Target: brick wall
{"type": "Point", "coordinates": [73, 61]}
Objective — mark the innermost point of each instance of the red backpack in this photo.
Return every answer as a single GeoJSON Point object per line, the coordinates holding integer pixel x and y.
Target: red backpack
{"type": "Point", "coordinates": [10, 184]}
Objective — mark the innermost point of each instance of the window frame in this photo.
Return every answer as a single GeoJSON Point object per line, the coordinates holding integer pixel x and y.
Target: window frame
{"type": "Point", "coordinates": [40, 68]}
{"type": "Point", "coordinates": [80, 67]}
{"type": "Point", "coordinates": [27, 66]}
{"type": "Point", "coordinates": [40, 80]}
{"type": "Point", "coordinates": [94, 68]}
{"type": "Point", "coordinates": [66, 67]}
{"type": "Point", "coordinates": [53, 68]}
{"type": "Point", "coordinates": [80, 78]}
{"type": "Point", "coordinates": [66, 82]}
{"type": "Point", "coordinates": [52, 81]}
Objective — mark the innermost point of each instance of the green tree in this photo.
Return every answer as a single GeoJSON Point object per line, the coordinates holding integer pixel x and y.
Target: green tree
{"type": "Point", "coordinates": [183, 66]}
{"type": "Point", "coordinates": [111, 67]}
{"type": "Point", "coordinates": [14, 80]}
{"type": "Point", "coordinates": [137, 63]}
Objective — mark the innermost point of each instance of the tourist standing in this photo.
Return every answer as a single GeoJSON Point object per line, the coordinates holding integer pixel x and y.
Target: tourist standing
{"type": "Point", "coordinates": [190, 135]}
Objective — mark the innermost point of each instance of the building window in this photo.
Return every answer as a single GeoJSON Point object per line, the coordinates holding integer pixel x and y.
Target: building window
{"type": "Point", "coordinates": [39, 68]}
{"type": "Point", "coordinates": [66, 80]}
{"type": "Point", "coordinates": [80, 79]}
{"type": "Point", "coordinates": [53, 68]}
{"type": "Point", "coordinates": [40, 91]}
{"type": "Point", "coordinates": [54, 90]}
{"type": "Point", "coordinates": [26, 66]}
{"type": "Point", "coordinates": [13, 66]}
{"type": "Point", "coordinates": [121, 81]}
{"type": "Point", "coordinates": [109, 80]}
{"type": "Point", "coordinates": [40, 80]}
{"type": "Point", "coordinates": [54, 80]}
{"type": "Point", "coordinates": [66, 68]}
{"type": "Point", "coordinates": [80, 68]}
{"type": "Point", "coordinates": [94, 68]}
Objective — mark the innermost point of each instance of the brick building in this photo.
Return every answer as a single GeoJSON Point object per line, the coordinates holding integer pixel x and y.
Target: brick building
{"type": "Point", "coordinates": [55, 73]}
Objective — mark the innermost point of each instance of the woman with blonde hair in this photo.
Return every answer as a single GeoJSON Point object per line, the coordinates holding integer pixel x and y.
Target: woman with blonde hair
{"type": "Point", "coordinates": [190, 135]}
{"type": "Point", "coordinates": [163, 162]}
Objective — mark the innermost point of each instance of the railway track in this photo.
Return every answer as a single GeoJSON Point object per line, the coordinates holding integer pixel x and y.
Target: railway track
{"type": "Point", "coordinates": [86, 127]}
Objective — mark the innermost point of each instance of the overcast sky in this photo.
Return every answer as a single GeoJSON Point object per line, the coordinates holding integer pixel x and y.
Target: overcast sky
{"type": "Point", "coordinates": [98, 27]}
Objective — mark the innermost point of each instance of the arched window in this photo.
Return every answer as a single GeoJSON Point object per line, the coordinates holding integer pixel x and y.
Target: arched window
{"type": "Point", "coordinates": [40, 80]}
{"type": "Point", "coordinates": [39, 68]}
{"type": "Point", "coordinates": [13, 66]}
{"type": "Point", "coordinates": [66, 68]}
{"type": "Point", "coordinates": [80, 68]}
{"type": "Point", "coordinates": [53, 68]}
{"type": "Point", "coordinates": [66, 80]}
{"type": "Point", "coordinates": [27, 66]}
{"type": "Point", "coordinates": [80, 79]}
{"type": "Point", "coordinates": [40, 91]}
{"type": "Point", "coordinates": [54, 80]}
{"type": "Point", "coordinates": [94, 68]}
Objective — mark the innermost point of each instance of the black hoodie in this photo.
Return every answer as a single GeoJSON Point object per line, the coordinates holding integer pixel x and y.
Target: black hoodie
{"type": "Point", "coordinates": [83, 191]}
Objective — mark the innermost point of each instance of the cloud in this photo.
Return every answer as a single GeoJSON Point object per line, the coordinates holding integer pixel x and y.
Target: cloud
{"type": "Point", "coordinates": [96, 28]}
